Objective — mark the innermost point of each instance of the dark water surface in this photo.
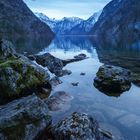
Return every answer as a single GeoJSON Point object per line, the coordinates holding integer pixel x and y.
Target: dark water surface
{"type": "Point", "coordinates": [120, 115]}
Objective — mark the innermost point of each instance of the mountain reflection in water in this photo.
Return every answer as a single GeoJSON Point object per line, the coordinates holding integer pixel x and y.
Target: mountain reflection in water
{"type": "Point", "coordinates": [117, 115]}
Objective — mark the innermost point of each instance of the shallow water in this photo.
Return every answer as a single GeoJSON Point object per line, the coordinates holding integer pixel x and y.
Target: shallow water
{"type": "Point", "coordinates": [120, 115]}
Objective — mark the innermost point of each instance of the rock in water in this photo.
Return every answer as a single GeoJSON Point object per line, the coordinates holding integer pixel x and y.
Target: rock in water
{"type": "Point", "coordinates": [23, 119]}
{"type": "Point", "coordinates": [58, 100]}
{"type": "Point", "coordinates": [55, 81]}
{"type": "Point", "coordinates": [76, 127]}
{"type": "Point", "coordinates": [55, 65]}
{"type": "Point", "coordinates": [112, 80]}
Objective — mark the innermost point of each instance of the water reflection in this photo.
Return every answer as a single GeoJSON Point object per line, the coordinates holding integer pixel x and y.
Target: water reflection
{"type": "Point", "coordinates": [117, 115]}
{"type": "Point", "coordinates": [126, 56]}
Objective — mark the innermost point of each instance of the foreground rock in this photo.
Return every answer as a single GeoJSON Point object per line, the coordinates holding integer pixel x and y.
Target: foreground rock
{"type": "Point", "coordinates": [23, 119]}
{"type": "Point", "coordinates": [112, 80]}
{"type": "Point", "coordinates": [58, 100]}
{"type": "Point", "coordinates": [78, 127]}
{"type": "Point", "coordinates": [18, 75]}
{"type": "Point", "coordinates": [55, 65]}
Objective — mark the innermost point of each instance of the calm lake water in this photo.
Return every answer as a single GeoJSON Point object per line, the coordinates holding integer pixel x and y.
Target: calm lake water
{"type": "Point", "coordinates": [119, 115]}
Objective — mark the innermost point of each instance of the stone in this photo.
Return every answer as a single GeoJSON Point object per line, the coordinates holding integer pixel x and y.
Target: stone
{"type": "Point", "coordinates": [75, 84]}
{"type": "Point", "coordinates": [82, 73]}
{"type": "Point", "coordinates": [112, 80]}
{"type": "Point", "coordinates": [55, 81]}
{"type": "Point", "coordinates": [80, 56]}
{"type": "Point", "coordinates": [6, 49]}
{"type": "Point", "coordinates": [76, 58]}
{"type": "Point", "coordinates": [55, 65]}
{"type": "Point", "coordinates": [58, 100]}
{"type": "Point", "coordinates": [18, 78]}
{"type": "Point", "coordinates": [31, 57]}
{"type": "Point", "coordinates": [77, 126]}
{"type": "Point", "coordinates": [24, 119]}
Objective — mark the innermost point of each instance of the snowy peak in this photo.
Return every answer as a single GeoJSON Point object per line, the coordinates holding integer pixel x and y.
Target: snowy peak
{"type": "Point", "coordinates": [70, 25]}
{"type": "Point", "coordinates": [85, 26]}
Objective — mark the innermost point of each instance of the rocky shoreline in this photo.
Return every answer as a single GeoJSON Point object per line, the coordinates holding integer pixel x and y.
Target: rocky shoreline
{"type": "Point", "coordinates": [25, 99]}
{"type": "Point", "coordinates": [24, 91]}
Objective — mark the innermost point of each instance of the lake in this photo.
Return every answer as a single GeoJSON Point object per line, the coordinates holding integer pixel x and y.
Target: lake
{"type": "Point", "coordinates": [119, 115]}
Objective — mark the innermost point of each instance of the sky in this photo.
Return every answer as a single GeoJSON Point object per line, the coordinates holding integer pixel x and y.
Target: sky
{"type": "Point", "coordinates": [66, 8]}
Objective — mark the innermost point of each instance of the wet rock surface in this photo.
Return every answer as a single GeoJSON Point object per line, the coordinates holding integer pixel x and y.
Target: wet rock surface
{"type": "Point", "coordinates": [76, 58]}
{"type": "Point", "coordinates": [18, 75]}
{"type": "Point", "coordinates": [56, 65]}
{"type": "Point", "coordinates": [6, 49]}
{"type": "Point", "coordinates": [55, 81]}
{"type": "Point", "coordinates": [77, 126]}
{"type": "Point", "coordinates": [58, 100]}
{"type": "Point", "coordinates": [112, 80]}
{"type": "Point", "coordinates": [24, 118]}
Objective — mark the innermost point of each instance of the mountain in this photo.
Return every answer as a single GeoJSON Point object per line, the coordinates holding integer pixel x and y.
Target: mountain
{"type": "Point", "coordinates": [64, 26]}
{"type": "Point", "coordinates": [86, 25]}
{"type": "Point", "coordinates": [19, 25]}
{"type": "Point", "coordinates": [60, 27]}
{"type": "Point", "coordinates": [47, 20]}
{"type": "Point", "coordinates": [119, 23]}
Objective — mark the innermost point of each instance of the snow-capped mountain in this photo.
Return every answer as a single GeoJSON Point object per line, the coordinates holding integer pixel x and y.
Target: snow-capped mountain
{"type": "Point", "coordinates": [70, 25]}
{"type": "Point", "coordinates": [85, 26]}
{"type": "Point", "coordinates": [47, 20]}
{"type": "Point", "coordinates": [64, 26]}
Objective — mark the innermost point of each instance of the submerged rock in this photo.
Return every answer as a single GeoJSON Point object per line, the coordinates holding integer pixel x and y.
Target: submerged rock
{"type": "Point", "coordinates": [76, 58]}
{"type": "Point", "coordinates": [75, 84]}
{"type": "Point", "coordinates": [24, 118]}
{"type": "Point", "coordinates": [82, 73]}
{"type": "Point", "coordinates": [55, 81]}
{"type": "Point", "coordinates": [112, 80]}
{"type": "Point", "coordinates": [58, 100]}
{"type": "Point", "coordinates": [77, 127]}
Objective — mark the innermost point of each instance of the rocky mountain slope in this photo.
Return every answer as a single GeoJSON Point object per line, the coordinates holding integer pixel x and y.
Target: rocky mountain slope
{"type": "Point", "coordinates": [86, 25]}
{"type": "Point", "coordinates": [119, 22]}
{"type": "Point", "coordinates": [19, 25]}
{"type": "Point", "coordinates": [71, 25]}
{"type": "Point", "coordinates": [62, 26]}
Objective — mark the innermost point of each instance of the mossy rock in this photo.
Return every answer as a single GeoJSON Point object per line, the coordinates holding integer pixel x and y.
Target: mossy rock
{"type": "Point", "coordinates": [19, 77]}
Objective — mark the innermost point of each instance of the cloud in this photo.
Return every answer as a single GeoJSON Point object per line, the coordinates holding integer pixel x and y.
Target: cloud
{"type": "Point", "coordinates": [66, 8]}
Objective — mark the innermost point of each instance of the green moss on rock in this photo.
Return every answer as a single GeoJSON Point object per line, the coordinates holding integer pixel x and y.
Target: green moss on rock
{"type": "Point", "coordinates": [18, 76]}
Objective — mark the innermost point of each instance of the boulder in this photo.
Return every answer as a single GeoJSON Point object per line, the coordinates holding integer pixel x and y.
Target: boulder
{"type": "Point", "coordinates": [18, 77]}
{"type": "Point", "coordinates": [55, 65]}
{"type": "Point", "coordinates": [23, 119]}
{"type": "Point", "coordinates": [77, 127]}
{"type": "Point", "coordinates": [112, 80]}
{"type": "Point", "coordinates": [6, 49]}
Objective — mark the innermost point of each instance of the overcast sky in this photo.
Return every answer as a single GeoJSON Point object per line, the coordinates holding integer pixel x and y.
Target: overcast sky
{"type": "Point", "coordinates": [66, 8]}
